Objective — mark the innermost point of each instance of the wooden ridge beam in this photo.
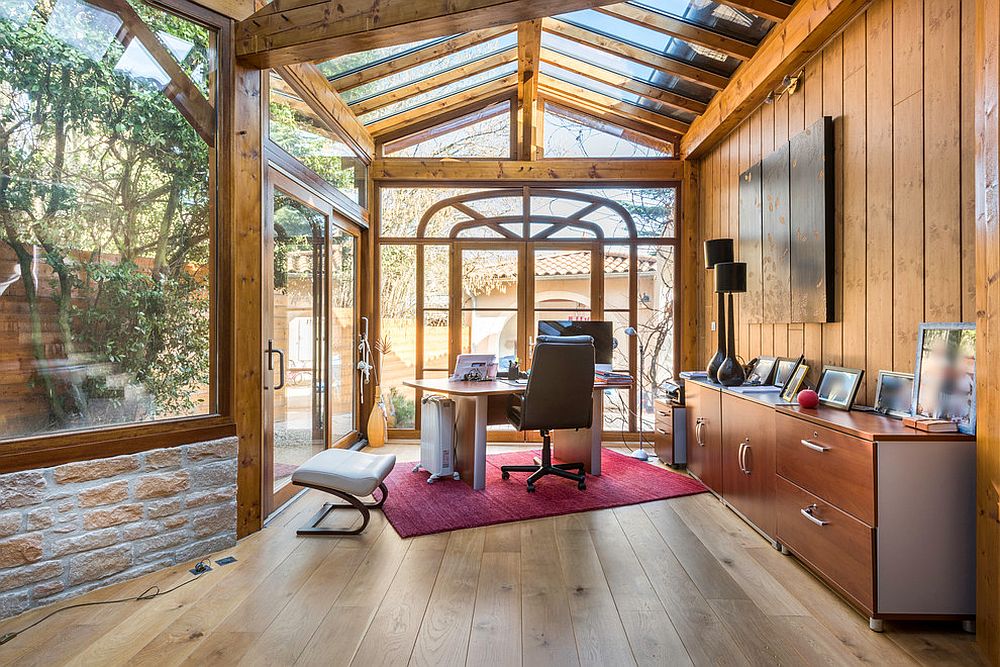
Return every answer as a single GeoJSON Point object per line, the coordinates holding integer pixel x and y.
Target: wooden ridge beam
{"type": "Point", "coordinates": [682, 30]}
{"type": "Point", "coordinates": [415, 58]}
{"type": "Point", "coordinates": [769, 9]}
{"type": "Point", "coordinates": [567, 170]}
{"type": "Point", "coordinates": [786, 49]}
{"type": "Point", "coordinates": [529, 46]}
{"type": "Point", "coordinates": [609, 116]}
{"type": "Point", "coordinates": [622, 82]}
{"type": "Point", "coordinates": [489, 89]}
{"type": "Point", "coordinates": [418, 87]}
{"type": "Point", "coordinates": [636, 54]}
{"type": "Point", "coordinates": [282, 33]}
{"type": "Point", "coordinates": [621, 108]}
{"type": "Point", "coordinates": [310, 85]}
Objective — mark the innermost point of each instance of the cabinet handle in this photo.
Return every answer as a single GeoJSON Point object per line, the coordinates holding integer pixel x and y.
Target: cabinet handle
{"type": "Point", "coordinates": [662, 413]}
{"type": "Point", "coordinates": [744, 450]}
{"type": "Point", "coordinates": [661, 431]}
{"type": "Point", "coordinates": [807, 512]}
{"type": "Point", "coordinates": [699, 423]}
{"type": "Point", "coordinates": [813, 446]}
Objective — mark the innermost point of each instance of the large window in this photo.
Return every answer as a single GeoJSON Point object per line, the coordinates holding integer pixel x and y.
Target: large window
{"type": "Point", "coordinates": [107, 216]}
{"type": "Point", "coordinates": [475, 269]}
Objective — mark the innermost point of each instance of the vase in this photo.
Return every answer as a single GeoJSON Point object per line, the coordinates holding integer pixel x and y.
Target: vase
{"type": "Point", "coordinates": [720, 353]}
{"type": "Point", "coordinates": [731, 373]}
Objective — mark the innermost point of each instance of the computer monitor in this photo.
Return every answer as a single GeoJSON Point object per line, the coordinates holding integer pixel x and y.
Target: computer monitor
{"type": "Point", "coordinates": [601, 332]}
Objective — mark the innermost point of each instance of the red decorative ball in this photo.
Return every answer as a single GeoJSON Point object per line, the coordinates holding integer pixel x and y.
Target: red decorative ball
{"type": "Point", "coordinates": [808, 398]}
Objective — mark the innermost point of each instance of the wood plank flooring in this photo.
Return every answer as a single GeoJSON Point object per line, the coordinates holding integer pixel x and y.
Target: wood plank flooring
{"type": "Point", "coordinates": [675, 582]}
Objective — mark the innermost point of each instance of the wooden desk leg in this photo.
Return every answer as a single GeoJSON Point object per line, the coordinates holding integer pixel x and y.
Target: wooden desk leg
{"type": "Point", "coordinates": [582, 445]}
{"type": "Point", "coordinates": [470, 416]}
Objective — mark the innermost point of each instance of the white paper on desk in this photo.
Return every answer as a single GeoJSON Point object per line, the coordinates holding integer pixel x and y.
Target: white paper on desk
{"type": "Point", "coordinates": [485, 364]}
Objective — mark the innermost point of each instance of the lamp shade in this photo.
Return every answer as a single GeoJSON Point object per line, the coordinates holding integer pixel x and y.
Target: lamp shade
{"type": "Point", "coordinates": [731, 277]}
{"type": "Point", "coordinates": [718, 251]}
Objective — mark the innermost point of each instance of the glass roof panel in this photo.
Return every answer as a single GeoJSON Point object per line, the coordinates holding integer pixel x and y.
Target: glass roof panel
{"type": "Point", "coordinates": [625, 67]}
{"type": "Point", "coordinates": [438, 93]}
{"type": "Point", "coordinates": [566, 136]}
{"type": "Point", "coordinates": [651, 40]}
{"type": "Point", "coordinates": [428, 69]}
{"type": "Point", "coordinates": [483, 133]}
{"type": "Point", "coordinates": [355, 61]}
{"type": "Point", "coordinates": [721, 18]}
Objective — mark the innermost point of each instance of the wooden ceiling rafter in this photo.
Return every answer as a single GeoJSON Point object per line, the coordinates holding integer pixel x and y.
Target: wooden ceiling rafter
{"type": "Point", "coordinates": [484, 64]}
{"type": "Point", "coordinates": [680, 29]}
{"type": "Point", "coordinates": [439, 124]}
{"type": "Point", "coordinates": [773, 10]}
{"type": "Point", "coordinates": [636, 54]}
{"type": "Point", "coordinates": [282, 33]}
{"type": "Point", "coordinates": [622, 82]}
{"type": "Point", "coordinates": [471, 96]}
{"type": "Point", "coordinates": [517, 172]}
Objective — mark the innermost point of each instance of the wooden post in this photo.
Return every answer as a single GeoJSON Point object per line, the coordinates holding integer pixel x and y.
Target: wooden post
{"type": "Point", "coordinates": [529, 46]}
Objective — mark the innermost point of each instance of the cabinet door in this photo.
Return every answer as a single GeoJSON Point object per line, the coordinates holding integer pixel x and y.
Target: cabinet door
{"type": "Point", "coordinates": [704, 421]}
{"type": "Point", "coordinates": [748, 476]}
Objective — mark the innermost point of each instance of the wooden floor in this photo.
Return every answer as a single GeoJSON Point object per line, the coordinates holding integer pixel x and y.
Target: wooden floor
{"type": "Point", "coordinates": [671, 582]}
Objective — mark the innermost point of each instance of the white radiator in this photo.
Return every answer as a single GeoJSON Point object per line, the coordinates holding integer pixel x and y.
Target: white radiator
{"type": "Point", "coordinates": [437, 438]}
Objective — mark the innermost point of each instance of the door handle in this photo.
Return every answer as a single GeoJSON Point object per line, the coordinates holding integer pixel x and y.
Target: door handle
{"type": "Point", "coordinates": [744, 450]}
{"type": "Point", "coordinates": [271, 351]}
{"type": "Point", "coordinates": [699, 424]}
{"type": "Point", "coordinates": [813, 446]}
{"type": "Point", "coordinates": [807, 512]}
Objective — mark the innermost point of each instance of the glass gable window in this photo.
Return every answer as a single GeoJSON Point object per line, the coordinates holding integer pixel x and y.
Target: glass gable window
{"type": "Point", "coordinates": [107, 271]}
{"type": "Point", "coordinates": [484, 133]}
{"type": "Point", "coordinates": [570, 134]}
{"type": "Point", "coordinates": [356, 61]}
{"type": "Point", "coordinates": [295, 128]}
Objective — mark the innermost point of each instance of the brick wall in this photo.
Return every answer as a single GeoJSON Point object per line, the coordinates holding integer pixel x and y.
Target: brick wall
{"type": "Point", "coordinates": [79, 526]}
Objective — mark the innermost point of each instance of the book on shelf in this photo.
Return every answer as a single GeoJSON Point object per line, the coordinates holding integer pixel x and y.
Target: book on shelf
{"type": "Point", "coordinates": [931, 425]}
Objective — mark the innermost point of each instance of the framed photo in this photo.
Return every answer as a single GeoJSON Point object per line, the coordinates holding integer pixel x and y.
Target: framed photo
{"type": "Point", "coordinates": [762, 371]}
{"type": "Point", "coordinates": [783, 370]}
{"type": "Point", "coordinates": [838, 386]}
{"type": "Point", "coordinates": [894, 393]}
{"type": "Point", "coordinates": [791, 388]}
{"type": "Point", "coordinates": [945, 374]}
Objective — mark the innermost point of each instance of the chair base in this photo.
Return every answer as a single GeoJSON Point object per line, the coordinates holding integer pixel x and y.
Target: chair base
{"type": "Point", "coordinates": [545, 467]}
{"type": "Point", "coordinates": [313, 527]}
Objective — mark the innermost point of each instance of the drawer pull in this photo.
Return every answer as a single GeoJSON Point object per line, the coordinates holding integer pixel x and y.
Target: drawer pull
{"type": "Point", "coordinates": [813, 446]}
{"type": "Point", "coordinates": [699, 424]}
{"type": "Point", "coordinates": [807, 512]}
{"type": "Point", "coordinates": [661, 431]}
{"type": "Point", "coordinates": [662, 413]}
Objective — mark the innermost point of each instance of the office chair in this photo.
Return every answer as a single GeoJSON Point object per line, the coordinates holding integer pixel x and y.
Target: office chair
{"type": "Point", "coordinates": [559, 395]}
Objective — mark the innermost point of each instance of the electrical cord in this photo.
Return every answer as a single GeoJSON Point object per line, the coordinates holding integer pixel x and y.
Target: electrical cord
{"type": "Point", "coordinates": [150, 593]}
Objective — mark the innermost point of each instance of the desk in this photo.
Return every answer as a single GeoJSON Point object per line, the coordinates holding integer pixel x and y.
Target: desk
{"type": "Point", "coordinates": [479, 404]}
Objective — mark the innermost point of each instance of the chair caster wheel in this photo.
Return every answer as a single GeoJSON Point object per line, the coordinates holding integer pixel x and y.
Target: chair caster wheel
{"type": "Point", "coordinates": [430, 480]}
{"type": "Point", "coordinates": [455, 475]}
{"type": "Point", "coordinates": [531, 489]}
{"type": "Point", "coordinates": [581, 486]}
{"type": "Point", "coordinates": [504, 475]}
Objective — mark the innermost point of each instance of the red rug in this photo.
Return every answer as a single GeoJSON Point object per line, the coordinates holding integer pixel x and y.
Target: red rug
{"type": "Point", "coordinates": [416, 508]}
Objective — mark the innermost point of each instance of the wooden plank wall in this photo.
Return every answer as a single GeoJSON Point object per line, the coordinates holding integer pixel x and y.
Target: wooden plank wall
{"type": "Point", "coordinates": [987, 179]}
{"type": "Point", "coordinates": [899, 83]}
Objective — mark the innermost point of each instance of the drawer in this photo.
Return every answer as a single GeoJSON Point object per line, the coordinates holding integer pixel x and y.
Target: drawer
{"type": "Point", "coordinates": [663, 416]}
{"type": "Point", "coordinates": [835, 544]}
{"type": "Point", "coordinates": [838, 468]}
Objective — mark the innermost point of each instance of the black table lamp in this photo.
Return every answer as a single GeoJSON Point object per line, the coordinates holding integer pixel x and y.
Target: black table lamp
{"type": "Point", "coordinates": [718, 251]}
{"type": "Point", "coordinates": [730, 278]}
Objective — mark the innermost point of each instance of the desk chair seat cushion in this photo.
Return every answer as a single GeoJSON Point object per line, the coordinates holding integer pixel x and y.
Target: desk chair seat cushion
{"type": "Point", "coordinates": [356, 473]}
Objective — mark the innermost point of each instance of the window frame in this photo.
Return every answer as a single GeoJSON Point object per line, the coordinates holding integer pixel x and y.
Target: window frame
{"type": "Point", "coordinates": [47, 450]}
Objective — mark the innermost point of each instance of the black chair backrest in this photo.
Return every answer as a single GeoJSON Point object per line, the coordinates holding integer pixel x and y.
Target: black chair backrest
{"type": "Point", "coordinates": [561, 385]}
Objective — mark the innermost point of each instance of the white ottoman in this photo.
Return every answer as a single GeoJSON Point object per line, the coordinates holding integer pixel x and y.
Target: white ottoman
{"type": "Point", "coordinates": [348, 475]}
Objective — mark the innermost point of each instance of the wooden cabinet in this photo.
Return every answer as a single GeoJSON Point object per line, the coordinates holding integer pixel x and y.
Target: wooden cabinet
{"type": "Point", "coordinates": [748, 459]}
{"type": "Point", "coordinates": [704, 431]}
{"type": "Point", "coordinates": [670, 430]}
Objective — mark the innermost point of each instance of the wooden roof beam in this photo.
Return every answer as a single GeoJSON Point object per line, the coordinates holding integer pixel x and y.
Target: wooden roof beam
{"type": "Point", "coordinates": [622, 82]}
{"type": "Point", "coordinates": [393, 124]}
{"type": "Point", "coordinates": [636, 54]}
{"type": "Point", "coordinates": [292, 31]}
{"type": "Point", "coordinates": [421, 56]}
{"type": "Point", "coordinates": [769, 9]}
{"type": "Point", "coordinates": [786, 49]}
{"type": "Point", "coordinates": [682, 30]}
{"type": "Point", "coordinates": [543, 172]}
{"type": "Point", "coordinates": [418, 87]}
{"type": "Point", "coordinates": [529, 47]}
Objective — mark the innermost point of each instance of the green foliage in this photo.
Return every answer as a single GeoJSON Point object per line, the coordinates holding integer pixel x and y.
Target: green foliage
{"type": "Point", "coordinates": [404, 409]}
{"type": "Point", "coordinates": [300, 137]}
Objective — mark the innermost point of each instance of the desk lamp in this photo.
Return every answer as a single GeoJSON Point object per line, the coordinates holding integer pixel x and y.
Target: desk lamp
{"type": "Point", "coordinates": [730, 278]}
{"type": "Point", "coordinates": [718, 251]}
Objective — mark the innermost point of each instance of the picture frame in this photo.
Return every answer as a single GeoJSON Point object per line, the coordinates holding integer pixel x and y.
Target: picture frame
{"type": "Point", "coordinates": [762, 371]}
{"type": "Point", "coordinates": [791, 387]}
{"type": "Point", "coordinates": [838, 386]}
{"type": "Point", "coordinates": [944, 384]}
{"type": "Point", "coordinates": [894, 394]}
{"type": "Point", "coordinates": [784, 368]}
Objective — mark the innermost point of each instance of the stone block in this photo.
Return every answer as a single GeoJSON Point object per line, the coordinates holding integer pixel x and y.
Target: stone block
{"type": "Point", "coordinates": [175, 521]}
{"type": "Point", "coordinates": [221, 519]}
{"type": "Point", "coordinates": [113, 516]}
{"type": "Point", "coordinates": [21, 489]}
{"type": "Point", "coordinates": [20, 550]}
{"type": "Point", "coordinates": [160, 542]}
{"type": "Point", "coordinates": [137, 531]}
{"type": "Point", "coordinates": [115, 492]}
{"type": "Point", "coordinates": [163, 458]}
{"type": "Point", "coordinates": [10, 523]}
{"type": "Point", "coordinates": [29, 574]}
{"type": "Point", "coordinates": [47, 588]}
{"type": "Point", "coordinates": [162, 486]}
{"type": "Point", "coordinates": [99, 564]}
{"type": "Point", "coordinates": [85, 542]}
{"type": "Point", "coordinates": [202, 498]}
{"type": "Point", "coordinates": [160, 508]}
{"type": "Point", "coordinates": [217, 449]}
{"type": "Point", "coordinates": [214, 475]}
{"type": "Point", "coordinates": [90, 470]}
{"type": "Point", "coordinates": [40, 519]}
{"type": "Point", "coordinates": [13, 604]}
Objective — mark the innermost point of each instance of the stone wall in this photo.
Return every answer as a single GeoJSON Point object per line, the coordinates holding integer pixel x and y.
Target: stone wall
{"type": "Point", "coordinates": [80, 526]}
